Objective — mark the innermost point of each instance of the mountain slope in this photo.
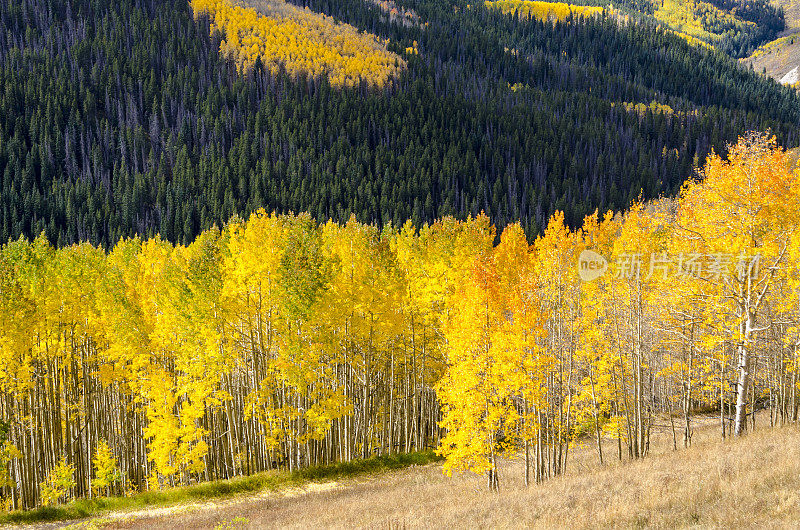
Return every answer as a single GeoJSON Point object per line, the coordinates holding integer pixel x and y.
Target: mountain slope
{"type": "Point", "coordinates": [734, 27]}
{"type": "Point", "coordinates": [282, 35]}
{"type": "Point", "coordinates": [780, 58]}
{"type": "Point", "coordinates": [124, 118]}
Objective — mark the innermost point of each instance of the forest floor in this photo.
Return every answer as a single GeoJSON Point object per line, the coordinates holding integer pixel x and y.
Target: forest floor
{"type": "Point", "coordinates": [715, 483]}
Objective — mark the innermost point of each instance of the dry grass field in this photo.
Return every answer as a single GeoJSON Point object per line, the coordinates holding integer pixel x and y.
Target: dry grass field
{"type": "Point", "coordinates": [747, 483]}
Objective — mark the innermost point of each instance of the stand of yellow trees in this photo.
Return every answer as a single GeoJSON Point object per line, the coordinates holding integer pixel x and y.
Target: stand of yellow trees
{"type": "Point", "coordinates": [276, 342]}
{"type": "Point", "coordinates": [542, 10]}
{"type": "Point", "coordinates": [301, 42]}
{"type": "Point", "coordinates": [699, 310]}
{"type": "Point", "coordinates": [281, 342]}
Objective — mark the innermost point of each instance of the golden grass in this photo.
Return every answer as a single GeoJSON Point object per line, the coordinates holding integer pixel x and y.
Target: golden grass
{"type": "Point", "coordinates": [105, 511]}
{"type": "Point", "coordinates": [794, 156]}
{"type": "Point", "coordinates": [752, 482]}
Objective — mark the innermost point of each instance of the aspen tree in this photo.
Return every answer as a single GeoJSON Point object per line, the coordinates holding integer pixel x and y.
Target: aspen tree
{"type": "Point", "coordinates": [106, 472]}
{"type": "Point", "coordinates": [59, 481]}
{"type": "Point", "coordinates": [596, 352]}
{"type": "Point", "coordinates": [555, 264]}
{"type": "Point", "coordinates": [478, 412]}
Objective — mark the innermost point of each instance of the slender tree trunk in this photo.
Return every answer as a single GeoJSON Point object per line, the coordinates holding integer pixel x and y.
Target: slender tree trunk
{"type": "Point", "coordinates": [742, 386]}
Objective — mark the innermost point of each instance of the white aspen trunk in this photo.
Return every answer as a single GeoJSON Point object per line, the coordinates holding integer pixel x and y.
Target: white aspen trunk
{"type": "Point", "coordinates": [687, 433]}
{"type": "Point", "coordinates": [493, 479]}
{"type": "Point", "coordinates": [722, 397]}
{"type": "Point", "coordinates": [638, 395]}
{"type": "Point", "coordinates": [526, 417]}
{"type": "Point", "coordinates": [793, 404]}
{"type": "Point", "coordinates": [743, 367]}
{"type": "Point", "coordinates": [390, 433]}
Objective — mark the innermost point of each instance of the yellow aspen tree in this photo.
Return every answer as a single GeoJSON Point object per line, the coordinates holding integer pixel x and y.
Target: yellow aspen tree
{"type": "Point", "coordinates": [555, 261]}
{"type": "Point", "coordinates": [472, 414]}
{"type": "Point", "coordinates": [304, 275]}
{"type": "Point", "coordinates": [59, 482]}
{"type": "Point", "coordinates": [106, 471]}
{"type": "Point", "coordinates": [479, 412]}
{"type": "Point", "coordinates": [425, 263]}
{"type": "Point", "coordinates": [640, 263]}
{"type": "Point", "coordinates": [596, 354]}
{"type": "Point", "coordinates": [522, 330]}
{"type": "Point", "coordinates": [251, 292]}
{"type": "Point", "coordinates": [364, 283]}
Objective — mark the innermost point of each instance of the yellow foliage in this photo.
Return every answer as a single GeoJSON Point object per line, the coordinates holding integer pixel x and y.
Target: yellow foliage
{"type": "Point", "coordinates": [550, 11]}
{"type": "Point", "coordinates": [284, 36]}
{"type": "Point", "coordinates": [107, 473]}
{"type": "Point", "coordinates": [682, 18]}
{"type": "Point", "coordinates": [654, 107]}
{"type": "Point", "coordinates": [58, 483]}
{"type": "Point", "coordinates": [694, 41]}
{"type": "Point", "coordinates": [769, 47]}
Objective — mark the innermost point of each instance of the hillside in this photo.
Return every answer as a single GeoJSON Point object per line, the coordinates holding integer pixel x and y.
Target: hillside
{"type": "Point", "coordinates": [752, 482]}
{"type": "Point", "coordinates": [139, 122]}
{"type": "Point", "coordinates": [733, 27]}
{"type": "Point", "coordinates": [780, 58]}
{"type": "Point", "coordinates": [279, 343]}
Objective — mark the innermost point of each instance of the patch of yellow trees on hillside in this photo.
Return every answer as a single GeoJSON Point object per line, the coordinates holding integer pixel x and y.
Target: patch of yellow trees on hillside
{"type": "Point", "coordinates": [300, 41]}
{"type": "Point", "coordinates": [684, 18]}
{"type": "Point", "coordinates": [552, 11]}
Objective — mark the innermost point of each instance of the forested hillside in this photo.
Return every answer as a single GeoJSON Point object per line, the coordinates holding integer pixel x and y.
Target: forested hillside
{"type": "Point", "coordinates": [734, 27]}
{"type": "Point", "coordinates": [123, 118]}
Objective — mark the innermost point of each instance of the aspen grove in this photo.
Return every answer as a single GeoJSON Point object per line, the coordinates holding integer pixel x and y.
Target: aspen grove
{"type": "Point", "coordinates": [280, 342]}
